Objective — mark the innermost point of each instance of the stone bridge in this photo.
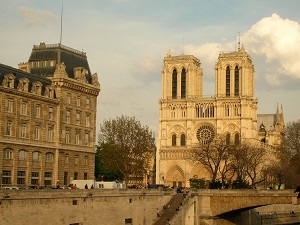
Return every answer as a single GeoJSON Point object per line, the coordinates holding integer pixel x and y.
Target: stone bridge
{"type": "Point", "coordinates": [206, 204]}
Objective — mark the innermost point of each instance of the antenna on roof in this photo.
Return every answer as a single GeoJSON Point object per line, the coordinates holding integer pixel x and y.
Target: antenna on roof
{"type": "Point", "coordinates": [239, 42]}
{"type": "Point", "coordinates": [61, 15]}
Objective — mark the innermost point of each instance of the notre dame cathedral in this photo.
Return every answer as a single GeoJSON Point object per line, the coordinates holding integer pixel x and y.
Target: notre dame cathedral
{"type": "Point", "coordinates": [186, 117]}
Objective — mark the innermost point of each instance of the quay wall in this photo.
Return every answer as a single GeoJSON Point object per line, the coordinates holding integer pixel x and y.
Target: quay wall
{"type": "Point", "coordinates": [81, 207]}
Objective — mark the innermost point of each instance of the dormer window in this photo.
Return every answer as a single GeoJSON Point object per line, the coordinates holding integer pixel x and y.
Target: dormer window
{"type": "Point", "coordinates": [37, 88]}
{"type": "Point", "coordinates": [23, 84]}
{"type": "Point", "coordinates": [8, 81]}
{"type": "Point", "coordinates": [262, 128]}
{"type": "Point", "coordinates": [49, 92]}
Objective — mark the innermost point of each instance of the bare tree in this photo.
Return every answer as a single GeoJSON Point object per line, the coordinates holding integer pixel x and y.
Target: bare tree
{"type": "Point", "coordinates": [127, 146]}
{"type": "Point", "coordinates": [213, 156]}
{"type": "Point", "coordinates": [292, 154]}
{"type": "Point", "coordinates": [248, 160]}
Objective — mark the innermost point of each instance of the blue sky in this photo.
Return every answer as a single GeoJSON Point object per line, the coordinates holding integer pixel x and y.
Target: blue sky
{"type": "Point", "coordinates": [126, 40]}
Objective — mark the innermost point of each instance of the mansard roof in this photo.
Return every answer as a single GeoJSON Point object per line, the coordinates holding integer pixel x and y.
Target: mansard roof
{"type": "Point", "coordinates": [59, 53]}
{"type": "Point", "coordinates": [20, 74]}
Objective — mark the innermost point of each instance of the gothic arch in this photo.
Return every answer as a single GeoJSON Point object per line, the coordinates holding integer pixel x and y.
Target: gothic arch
{"type": "Point", "coordinates": [175, 176]}
{"type": "Point", "coordinates": [199, 171]}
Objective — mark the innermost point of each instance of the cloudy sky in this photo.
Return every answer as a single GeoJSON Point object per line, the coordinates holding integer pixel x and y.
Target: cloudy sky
{"type": "Point", "coordinates": [126, 40]}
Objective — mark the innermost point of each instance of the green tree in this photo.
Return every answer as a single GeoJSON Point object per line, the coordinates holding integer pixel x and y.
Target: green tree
{"type": "Point", "coordinates": [101, 172]}
{"type": "Point", "coordinates": [126, 146]}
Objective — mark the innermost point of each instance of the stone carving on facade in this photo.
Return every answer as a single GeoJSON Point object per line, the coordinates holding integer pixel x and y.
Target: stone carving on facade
{"type": "Point", "coordinates": [95, 80]}
{"type": "Point", "coordinates": [80, 74]}
{"type": "Point", "coordinates": [60, 71]}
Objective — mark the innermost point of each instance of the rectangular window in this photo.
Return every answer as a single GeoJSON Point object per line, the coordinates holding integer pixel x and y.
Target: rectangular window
{"type": "Point", "coordinates": [67, 137]}
{"type": "Point", "coordinates": [8, 128]}
{"type": "Point", "coordinates": [35, 178]}
{"type": "Point", "coordinates": [87, 103]}
{"type": "Point", "coordinates": [128, 221]}
{"type": "Point", "coordinates": [78, 118]}
{"type": "Point", "coordinates": [6, 177]}
{"type": "Point", "coordinates": [69, 98]}
{"type": "Point", "coordinates": [50, 113]}
{"type": "Point", "coordinates": [21, 177]}
{"type": "Point", "coordinates": [48, 178]}
{"type": "Point", "coordinates": [50, 134]}
{"type": "Point", "coordinates": [24, 108]}
{"type": "Point", "coordinates": [66, 159]}
{"type": "Point", "coordinates": [76, 159]}
{"type": "Point", "coordinates": [9, 105]}
{"type": "Point", "coordinates": [85, 160]}
{"type": "Point", "coordinates": [23, 131]}
{"type": "Point", "coordinates": [77, 139]}
{"type": "Point", "coordinates": [37, 133]}
{"type": "Point", "coordinates": [37, 111]}
{"type": "Point", "coordinates": [75, 176]}
{"type": "Point", "coordinates": [68, 116]}
{"type": "Point", "coordinates": [85, 176]}
{"type": "Point", "coordinates": [78, 101]}
{"type": "Point", "coordinates": [87, 120]}
{"type": "Point", "coordinates": [86, 139]}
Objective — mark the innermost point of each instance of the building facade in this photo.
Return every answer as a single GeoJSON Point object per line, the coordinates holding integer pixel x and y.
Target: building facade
{"type": "Point", "coordinates": [187, 118]}
{"type": "Point", "coordinates": [48, 118]}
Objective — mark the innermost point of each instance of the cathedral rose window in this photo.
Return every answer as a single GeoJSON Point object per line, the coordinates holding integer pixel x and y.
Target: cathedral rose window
{"type": "Point", "coordinates": [205, 134]}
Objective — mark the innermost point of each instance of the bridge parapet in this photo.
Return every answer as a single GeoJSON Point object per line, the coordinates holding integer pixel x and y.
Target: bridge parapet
{"type": "Point", "coordinates": [216, 202]}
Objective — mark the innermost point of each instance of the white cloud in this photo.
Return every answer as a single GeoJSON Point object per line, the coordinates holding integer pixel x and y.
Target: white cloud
{"type": "Point", "coordinates": [37, 17]}
{"type": "Point", "coordinates": [278, 40]}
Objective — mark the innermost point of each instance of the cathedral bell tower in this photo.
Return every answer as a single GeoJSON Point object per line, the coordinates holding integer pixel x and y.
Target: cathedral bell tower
{"type": "Point", "coordinates": [234, 74]}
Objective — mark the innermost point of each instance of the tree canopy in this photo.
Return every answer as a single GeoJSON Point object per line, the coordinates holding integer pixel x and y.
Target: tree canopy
{"type": "Point", "coordinates": [126, 146]}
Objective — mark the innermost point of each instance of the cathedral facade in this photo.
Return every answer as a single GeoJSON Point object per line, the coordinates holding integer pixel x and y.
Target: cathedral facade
{"type": "Point", "coordinates": [48, 118]}
{"type": "Point", "coordinates": [186, 117]}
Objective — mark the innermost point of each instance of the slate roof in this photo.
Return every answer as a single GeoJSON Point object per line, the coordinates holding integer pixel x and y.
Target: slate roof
{"type": "Point", "coordinates": [4, 69]}
{"type": "Point", "coordinates": [70, 57]}
{"type": "Point", "coordinates": [268, 120]}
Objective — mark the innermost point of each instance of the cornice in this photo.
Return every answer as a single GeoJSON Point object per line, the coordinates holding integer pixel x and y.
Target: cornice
{"type": "Point", "coordinates": [27, 95]}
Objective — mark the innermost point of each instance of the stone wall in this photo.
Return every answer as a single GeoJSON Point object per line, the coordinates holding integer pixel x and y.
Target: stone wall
{"type": "Point", "coordinates": [82, 207]}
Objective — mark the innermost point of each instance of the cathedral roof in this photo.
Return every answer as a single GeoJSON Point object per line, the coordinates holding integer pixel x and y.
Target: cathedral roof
{"type": "Point", "coordinates": [59, 53]}
{"type": "Point", "coordinates": [268, 120]}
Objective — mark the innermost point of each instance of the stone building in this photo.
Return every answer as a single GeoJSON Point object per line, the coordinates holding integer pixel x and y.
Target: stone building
{"type": "Point", "coordinates": [186, 117]}
{"type": "Point", "coordinates": [48, 118]}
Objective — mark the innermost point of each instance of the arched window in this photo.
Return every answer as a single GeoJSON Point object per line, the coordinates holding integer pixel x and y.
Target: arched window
{"type": "Point", "coordinates": [236, 81]}
{"type": "Point", "coordinates": [174, 84]}
{"type": "Point", "coordinates": [237, 139]}
{"type": "Point", "coordinates": [7, 154]}
{"type": "Point", "coordinates": [22, 155]}
{"type": "Point", "coordinates": [227, 139]}
{"type": "Point", "coordinates": [182, 140]}
{"type": "Point", "coordinates": [183, 83]}
{"type": "Point", "coordinates": [227, 81]}
{"type": "Point", "coordinates": [35, 156]}
{"type": "Point", "coordinates": [174, 140]}
{"type": "Point", "coordinates": [49, 157]}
